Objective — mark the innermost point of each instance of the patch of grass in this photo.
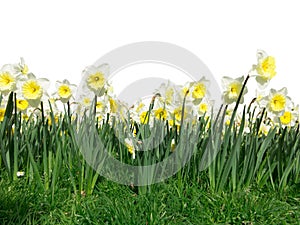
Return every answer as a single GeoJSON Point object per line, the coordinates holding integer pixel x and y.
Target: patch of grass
{"type": "Point", "coordinates": [113, 203]}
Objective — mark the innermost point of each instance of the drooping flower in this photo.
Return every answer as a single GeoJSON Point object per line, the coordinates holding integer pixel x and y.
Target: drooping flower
{"type": "Point", "coordinates": [232, 89]}
{"type": "Point", "coordinates": [265, 68]}
{"type": "Point", "coordinates": [96, 78]}
{"type": "Point", "coordinates": [277, 101]}
{"type": "Point", "coordinates": [65, 90]}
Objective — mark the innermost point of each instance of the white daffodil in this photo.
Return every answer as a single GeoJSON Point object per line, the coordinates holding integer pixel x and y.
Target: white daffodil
{"type": "Point", "coordinates": [8, 80]}
{"type": "Point", "coordinates": [130, 147]}
{"type": "Point", "coordinates": [232, 89]}
{"type": "Point", "coordinates": [144, 117]}
{"type": "Point", "coordinates": [20, 174]}
{"type": "Point", "coordinates": [65, 90]}
{"type": "Point", "coordinates": [265, 69]}
{"type": "Point", "coordinates": [264, 129]}
{"type": "Point", "coordinates": [84, 103]}
{"type": "Point", "coordinates": [33, 89]}
{"type": "Point", "coordinates": [277, 101]}
{"type": "Point", "coordinates": [96, 78]}
{"type": "Point", "coordinates": [204, 108]}
{"type": "Point", "coordinates": [289, 117]}
{"type": "Point", "coordinates": [176, 115]}
{"type": "Point", "coordinates": [22, 104]}
{"type": "Point", "coordinates": [167, 94]}
{"type": "Point", "coordinates": [138, 112]}
{"type": "Point", "coordinates": [160, 113]}
{"type": "Point", "coordinates": [198, 90]}
{"type": "Point", "coordinates": [21, 68]}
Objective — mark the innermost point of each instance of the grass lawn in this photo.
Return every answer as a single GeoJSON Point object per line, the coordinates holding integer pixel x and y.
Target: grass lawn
{"type": "Point", "coordinates": [167, 203]}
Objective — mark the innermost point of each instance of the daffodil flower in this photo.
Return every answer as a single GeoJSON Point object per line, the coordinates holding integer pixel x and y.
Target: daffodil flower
{"type": "Point", "coordinates": [199, 90]}
{"type": "Point", "coordinates": [8, 80]}
{"type": "Point", "coordinates": [265, 69]}
{"type": "Point", "coordinates": [289, 117]}
{"type": "Point", "coordinates": [65, 90]}
{"type": "Point", "coordinates": [33, 89]}
{"type": "Point", "coordinates": [264, 129]}
{"type": "Point", "coordinates": [204, 108]}
{"type": "Point", "coordinates": [137, 110]}
{"type": "Point", "coordinates": [130, 147]}
{"type": "Point", "coordinates": [167, 94]}
{"type": "Point", "coordinates": [96, 78]}
{"type": "Point", "coordinates": [144, 117]}
{"type": "Point", "coordinates": [232, 89]}
{"type": "Point", "coordinates": [22, 104]}
{"type": "Point", "coordinates": [20, 174]}
{"type": "Point", "coordinates": [277, 101]}
{"type": "Point", "coordinates": [21, 68]}
{"type": "Point", "coordinates": [175, 114]}
{"type": "Point", "coordinates": [160, 113]}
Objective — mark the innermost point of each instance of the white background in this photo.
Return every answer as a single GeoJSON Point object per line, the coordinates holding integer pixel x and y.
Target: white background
{"type": "Point", "coordinates": [59, 38]}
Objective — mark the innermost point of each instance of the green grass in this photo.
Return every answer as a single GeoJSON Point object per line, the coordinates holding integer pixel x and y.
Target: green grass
{"type": "Point", "coordinates": [233, 177]}
{"type": "Point", "coordinates": [112, 203]}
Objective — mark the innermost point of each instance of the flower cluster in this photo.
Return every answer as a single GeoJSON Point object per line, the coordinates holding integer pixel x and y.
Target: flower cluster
{"type": "Point", "coordinates": [170, 102]}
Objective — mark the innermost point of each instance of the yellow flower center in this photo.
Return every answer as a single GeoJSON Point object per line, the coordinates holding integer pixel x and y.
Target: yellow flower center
{"type": "Point", "coordinates": [32, 90]}
{"type": "Point", "coordinates": [96, 81]}
{"type": "Point", "coordinates": [6, 81]}
{"type": "Point", "coordinates": [22, 104]}
{"type": "Point", "coordinates": [86, 101]}
{"type": "Point", "coordinates": [160, 114]}
{"type": "Point", "coordinates": [203, 107]}
{"type": "Point", "coordinates": [64, 91]}
{"type": "Point", "coordinates": [199, 90]}
{"type": "Point", "coordinates": [286, 118]}
{"type": "Point", "coordinates": [267, 68]}
{"type": "Point", "coordinates": [234, 90]}
{"type": "Point", "coordinates": [277, 103]}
